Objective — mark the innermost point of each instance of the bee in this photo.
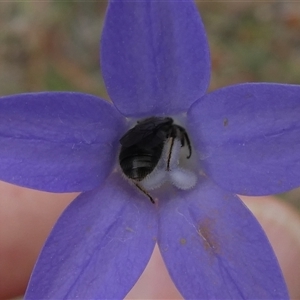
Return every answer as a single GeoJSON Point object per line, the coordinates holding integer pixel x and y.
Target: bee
{"type": "Point", "coordinates": [142, 147]}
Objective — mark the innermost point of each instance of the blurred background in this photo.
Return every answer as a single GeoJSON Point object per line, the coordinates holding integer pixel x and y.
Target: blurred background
{"type": "Point", "coordinates": [54, 45]}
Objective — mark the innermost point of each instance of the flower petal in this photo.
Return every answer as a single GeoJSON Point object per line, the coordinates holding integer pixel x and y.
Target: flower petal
{"type": "Point", "coordinates": [99, 246]}
{"type": "Point", "coordinates": [214, 248]}
{"type": "Point", "coordinates": [57, 142]}
{"type": "Point", "coordinates": [248, 137]}
{"type": "Point", "coordinates": [155, 56]}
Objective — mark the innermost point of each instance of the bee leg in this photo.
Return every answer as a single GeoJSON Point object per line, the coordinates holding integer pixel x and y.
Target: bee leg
{"type": "Point", "coordinates": [183, 138]}
{"type": "Point", "coordinates": [186, 137]}
{"type": "Point", "coordinates": [182, 141]}
{"type": "Point", "coordinates": [145, 192]}
{"type": "Point", "coordinates": [170, 153]}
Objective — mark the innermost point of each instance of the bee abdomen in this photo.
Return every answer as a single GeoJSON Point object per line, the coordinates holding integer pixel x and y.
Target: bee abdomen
{"type": "Point", "coordinates": [137, 169]}
{"type": "Point", "coordinates": [137, 163]}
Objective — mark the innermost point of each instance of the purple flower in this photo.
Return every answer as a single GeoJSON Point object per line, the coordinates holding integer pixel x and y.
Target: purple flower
{"type": "Point", "coordinates": [155, 62]}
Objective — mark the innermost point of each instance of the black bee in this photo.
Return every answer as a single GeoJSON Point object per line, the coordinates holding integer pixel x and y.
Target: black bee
{"type": "Point", "coordinates": [142, 147]}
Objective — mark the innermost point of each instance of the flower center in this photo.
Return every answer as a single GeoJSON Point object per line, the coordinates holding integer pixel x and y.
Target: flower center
{"type": "Point", "coordinates": [151, 155]}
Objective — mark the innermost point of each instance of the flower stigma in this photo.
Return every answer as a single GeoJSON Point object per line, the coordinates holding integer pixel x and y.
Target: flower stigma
{"type": "Point", "coordinates": [155, 152]}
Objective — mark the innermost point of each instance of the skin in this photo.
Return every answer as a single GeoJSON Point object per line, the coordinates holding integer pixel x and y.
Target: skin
{"type": "Point", "coordinates": [26, 218]}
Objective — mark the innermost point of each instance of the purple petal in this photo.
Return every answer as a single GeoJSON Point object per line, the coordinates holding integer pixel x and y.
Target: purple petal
{"type": "Point", "coordinates": [57, 142]}
{"type": "Point", "coordinates": [248, 137]}
{"type": "Point", "coordinates": [155, 56]}
{"type": "Point", "coordinates": [215, 249]}
{"type": "Point", "coordinates": [99, 246]}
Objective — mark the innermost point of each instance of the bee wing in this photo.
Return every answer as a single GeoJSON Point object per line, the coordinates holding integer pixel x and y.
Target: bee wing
{"type": "Point", "coordinates": [137, 135]}
{"type": "Point", "coordinates": [146, 132]}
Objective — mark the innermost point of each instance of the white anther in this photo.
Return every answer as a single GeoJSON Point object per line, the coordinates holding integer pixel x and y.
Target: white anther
{"type": "Point", "coordinates": [182, 178]}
